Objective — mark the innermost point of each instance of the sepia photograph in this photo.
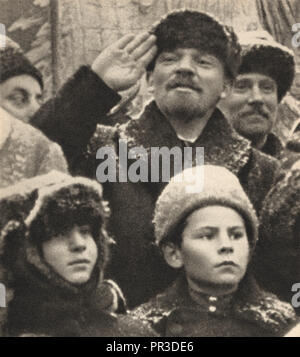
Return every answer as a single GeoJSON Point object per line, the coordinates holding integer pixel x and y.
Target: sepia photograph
{"type": "Point", "coordinates": [150, 170]}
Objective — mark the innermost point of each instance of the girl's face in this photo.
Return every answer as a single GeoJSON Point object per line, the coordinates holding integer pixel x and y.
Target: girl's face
{"type": "Point", "coordinates": [215, 248]}
{"type": "Point", "coordinates": [72, 255]}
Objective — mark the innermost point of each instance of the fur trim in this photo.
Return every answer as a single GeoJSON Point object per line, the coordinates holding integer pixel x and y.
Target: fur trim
{"type": "Point", "coordinates": [16, 201]}
{"type": "Point", "coordinates": [250, 304]}
{"type": "Point", "coordinates": [46, 193]}
{"type": "Point", "coordinates": [17, 246]}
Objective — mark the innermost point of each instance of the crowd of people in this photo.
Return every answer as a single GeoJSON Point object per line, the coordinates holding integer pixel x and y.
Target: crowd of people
{"type": "Point", "coordinates": [212, 252]}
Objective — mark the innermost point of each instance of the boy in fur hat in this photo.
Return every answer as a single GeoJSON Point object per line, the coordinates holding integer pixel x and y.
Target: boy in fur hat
{"type": "Point", "coordinates": [266, 74]}
{"type": "Point", "coordinates": [191, 59]}
{"type": "Point", "coordinates": [53, 263]}
{"type": "Point", "coordinates": [210, 234]}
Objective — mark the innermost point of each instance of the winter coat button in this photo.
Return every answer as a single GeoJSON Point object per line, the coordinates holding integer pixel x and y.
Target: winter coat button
{"type": "Point", "coordinates": [212, 308]}
{"type": "Point", "coordinates": [212, 299]}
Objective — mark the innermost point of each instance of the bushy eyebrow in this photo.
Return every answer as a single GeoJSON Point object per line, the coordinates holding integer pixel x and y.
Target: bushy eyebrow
{"type": "Point", "coordinates": [239, 80]}
{"type": "Point", "coordinates": [19, 89]}
{"type": "Point", "coordinates": [268, 81]}
{"type": "Point", "coordinates": [233, 228]}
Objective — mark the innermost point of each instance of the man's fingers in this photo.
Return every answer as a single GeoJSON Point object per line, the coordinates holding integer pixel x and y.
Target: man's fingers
{"type": "Point", "coordinates": [140, 39]}
{"type": "Point", "coordinates": [124, 41]}
{"type": "Point", "coordinates": [143, 48]}
{"type": "Point", "coordinates": [148, 57]}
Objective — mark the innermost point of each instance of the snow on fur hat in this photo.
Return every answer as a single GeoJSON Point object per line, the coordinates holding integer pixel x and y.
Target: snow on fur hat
{"type": "Point", "coordinates": [16, 201]}
{"type": "Point", "coordinates": [30, 204]}
{"type": "Point", "coordinates": [13, 62]}
{"type": "Point", "coordinates": [262, 54]}
{"type": "Point", "coordinates": [199, 187]}
{"type": "Point", "coordinates": [70, 201]}
{"type": "Point", "coordinates": [52, 203]}
{"type": "Point", "coordinates": [194, 29]}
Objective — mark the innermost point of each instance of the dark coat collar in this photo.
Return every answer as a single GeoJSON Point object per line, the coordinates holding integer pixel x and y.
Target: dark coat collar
{"type": "Point", "coordinates": [221, 143]}
{"type": "Point", "coordinates": [249, 303]}
{"type": "Point", "coordinates": [273, 146]}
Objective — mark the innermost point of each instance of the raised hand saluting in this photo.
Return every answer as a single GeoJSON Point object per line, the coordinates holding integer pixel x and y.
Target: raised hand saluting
{"type": "Point", "coordinates": [122, 64]}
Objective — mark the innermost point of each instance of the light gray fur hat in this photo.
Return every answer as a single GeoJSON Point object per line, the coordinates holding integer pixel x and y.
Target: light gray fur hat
{"type": "Point", "coordinates": [199, 187]}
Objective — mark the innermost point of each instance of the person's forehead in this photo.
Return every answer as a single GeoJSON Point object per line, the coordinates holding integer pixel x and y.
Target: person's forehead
{"type": "Point", "coordinates": [255, 77]}
{"type": "Point", "coordinates": [24, 81]}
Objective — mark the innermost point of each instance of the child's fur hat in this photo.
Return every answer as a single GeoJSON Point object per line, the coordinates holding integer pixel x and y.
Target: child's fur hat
{"type": "Point", "coordinates": [51, 204]}
{"type": "Point", "coordinates": [199, 187]}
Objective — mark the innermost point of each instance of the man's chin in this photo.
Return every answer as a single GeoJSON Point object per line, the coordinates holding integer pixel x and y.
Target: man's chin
{"type": "Point", "coordinates": [223, 284]}
{"type": "Point", "coordinates": [185, 110]}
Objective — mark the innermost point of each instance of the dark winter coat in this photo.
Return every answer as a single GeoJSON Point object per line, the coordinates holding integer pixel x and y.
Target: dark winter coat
{"type": "Point", "coordinates": [71, 120]}
{"type": "Point", "coordinates": [277, 260]}
{"type": "Point", "coordinates": [250, 312]}
{"type": "Point", "coordinates": [273, 147]}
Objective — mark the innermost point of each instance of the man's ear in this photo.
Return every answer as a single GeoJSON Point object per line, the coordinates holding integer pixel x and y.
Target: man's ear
{"type": "Point", "coordinates": [149, 78]}
{"type": "Point", "coordinates": [172, 255]}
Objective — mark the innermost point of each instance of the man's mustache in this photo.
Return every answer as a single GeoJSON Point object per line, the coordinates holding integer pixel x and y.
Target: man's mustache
{"type": "Point", "coordinates": [183, 82]}
{"type": "Point", "coordinates": [256, 111]}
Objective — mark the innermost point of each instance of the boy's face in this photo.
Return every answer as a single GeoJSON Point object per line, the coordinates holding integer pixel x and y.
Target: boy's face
{"type": "Point", "coordinates": [186, 82]}
{"type": "Point", "coordinates": [72, 255]}
{"type": "Point", "coordinates": [214, 249]}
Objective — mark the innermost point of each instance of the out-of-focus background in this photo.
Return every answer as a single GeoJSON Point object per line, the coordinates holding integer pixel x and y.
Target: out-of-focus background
{"type": "Point", "coordinates": [60, 35]}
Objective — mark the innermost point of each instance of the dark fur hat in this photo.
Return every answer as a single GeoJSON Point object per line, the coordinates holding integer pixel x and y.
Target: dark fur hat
{"type": "Point", "coordinates": [13, 62]}
{"type": "Point", "coordinates": [72, 201]}
{"type": "Point", "coordinates": [261, 54]}
{"type": "Point", "coordinates": [194, 29]}
{"type": "Point", "coordinates": [53, 203]}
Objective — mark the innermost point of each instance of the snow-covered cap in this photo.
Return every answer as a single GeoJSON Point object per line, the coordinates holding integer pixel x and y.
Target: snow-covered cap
{"type": "Point", "coordinates": [262, 54]}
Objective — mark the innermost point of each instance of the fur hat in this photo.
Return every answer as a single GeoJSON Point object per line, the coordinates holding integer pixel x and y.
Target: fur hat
{"type": "Point", "coordinates": [52, 203]}
{"type": "Point", "coordinates": [38, 208]}
{"type": "Point", "coordinates": [194, 29]}
{"type": "Point", "coordinates": [199, 187]}
{"type": "Point", "coordinates": [13, 62]}
{"type": "Point", "coordinates": [262, 54]}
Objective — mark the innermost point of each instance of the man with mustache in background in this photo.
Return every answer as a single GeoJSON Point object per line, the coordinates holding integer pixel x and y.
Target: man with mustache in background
{"type": "Point", "coordinates": [266, 74]}
{"type": "Point", "coordinates": [191, 60]}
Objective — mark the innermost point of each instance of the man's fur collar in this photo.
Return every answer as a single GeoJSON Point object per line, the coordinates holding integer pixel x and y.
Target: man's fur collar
{"type": "Point", "coordinates": [221, 143]}
{"type": "Point", "coordinates": [249, 303]}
